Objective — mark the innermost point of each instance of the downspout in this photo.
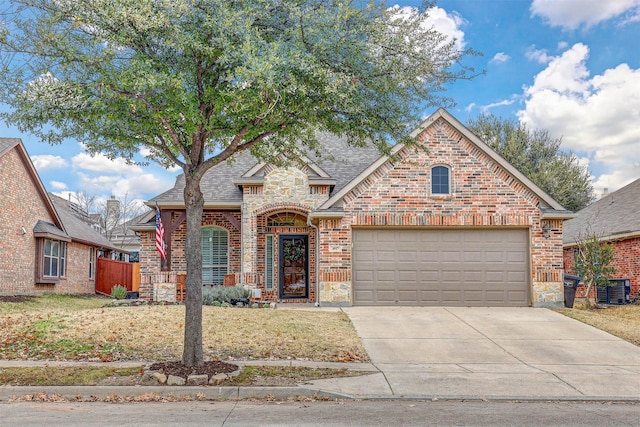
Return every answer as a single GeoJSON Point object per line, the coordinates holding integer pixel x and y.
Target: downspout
{"type": "Point", "coordinates": [317, 269]}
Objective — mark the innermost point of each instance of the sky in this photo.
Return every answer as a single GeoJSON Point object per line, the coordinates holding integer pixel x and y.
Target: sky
{"type": "Point", "coordinates": [571, 67]}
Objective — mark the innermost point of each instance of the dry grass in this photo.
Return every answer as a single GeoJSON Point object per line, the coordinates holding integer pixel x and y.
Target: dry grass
{"type": "Point", "coordinates": [81, 329]}
{"type": "Point", "coordinates": [622, 321]}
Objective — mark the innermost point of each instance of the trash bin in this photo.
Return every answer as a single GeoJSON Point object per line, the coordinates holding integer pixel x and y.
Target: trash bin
{"type": "Point", "coordinates": [571, 283]}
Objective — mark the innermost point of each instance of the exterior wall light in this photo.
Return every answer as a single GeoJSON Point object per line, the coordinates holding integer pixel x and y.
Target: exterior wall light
{"type": "Point", "coordinates": [546, 229]}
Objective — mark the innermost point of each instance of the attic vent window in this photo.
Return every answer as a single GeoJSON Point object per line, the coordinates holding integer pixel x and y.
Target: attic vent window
{"type": "Point", "coordinates": [286, 219]}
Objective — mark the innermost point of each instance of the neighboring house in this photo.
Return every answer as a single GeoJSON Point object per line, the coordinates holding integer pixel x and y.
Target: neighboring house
{"type": "Point", "coordinates": [127, 240]}
{"type": "Point", "coordinates": [615, 218]}
{"type": "Point", "coordinates": [43, 246]}
{"type": "Point", "coordinates": [456, 225]}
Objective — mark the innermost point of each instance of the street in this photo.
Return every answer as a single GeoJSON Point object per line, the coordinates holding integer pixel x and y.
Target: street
{"type": "Point", "coordinates": [321, 413]}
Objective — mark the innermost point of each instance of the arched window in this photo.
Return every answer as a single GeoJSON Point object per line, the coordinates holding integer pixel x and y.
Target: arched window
{"type": "Point", "coordinates": [215, 254]}
{"type": "Point", "coordinates": [440, 180]}
{"type": "Point", "coordinates": [286, 219]}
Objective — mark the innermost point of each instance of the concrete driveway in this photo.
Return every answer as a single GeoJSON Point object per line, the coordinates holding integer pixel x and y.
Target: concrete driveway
{"type": "Point", "coordinates": [458, 352]}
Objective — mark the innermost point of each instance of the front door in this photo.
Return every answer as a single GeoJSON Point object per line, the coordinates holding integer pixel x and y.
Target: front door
{"type": "Point", "coordinates": [294, 268]}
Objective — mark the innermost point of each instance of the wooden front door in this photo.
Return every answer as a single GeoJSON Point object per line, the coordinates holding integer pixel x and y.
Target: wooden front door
{"type": "Point", "coordinates": [294, 266]}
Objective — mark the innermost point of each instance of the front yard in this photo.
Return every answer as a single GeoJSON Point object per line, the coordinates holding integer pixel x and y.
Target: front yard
{"type": "Point", "coordinates": [622, 321]}
{"type": "Point", "coordinates": [55, 327]}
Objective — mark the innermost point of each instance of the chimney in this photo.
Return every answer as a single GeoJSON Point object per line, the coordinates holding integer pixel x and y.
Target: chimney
{"type": "Point", "coordinates": [605, 192]}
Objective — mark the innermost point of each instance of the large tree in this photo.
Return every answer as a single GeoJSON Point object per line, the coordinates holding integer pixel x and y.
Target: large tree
{"type": "Point", "coordinates": [195, 81]}
{"type": "Point", "coordinates": [540, 157]}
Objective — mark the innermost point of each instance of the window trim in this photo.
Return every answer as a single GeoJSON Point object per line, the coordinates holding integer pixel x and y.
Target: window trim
{"type": "Point", "coordinates": [449, 183]}
{"type": "Point", "coordinates": [61, 260]}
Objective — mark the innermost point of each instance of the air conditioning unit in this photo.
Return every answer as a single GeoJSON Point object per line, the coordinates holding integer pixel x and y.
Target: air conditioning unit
{"type": "Point", "coordinates": [619, 293]}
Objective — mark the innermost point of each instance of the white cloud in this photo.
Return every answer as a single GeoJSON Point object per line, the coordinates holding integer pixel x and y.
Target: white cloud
{"type": "Point", "coordinates": [448, 24]}
{"type": "Point", "coordinates": [571, 14]}
{"type": "Point", "coordinates": [100, 163]}
{"type": "Point", "coordinates": [134, 186]}
{"type": "Point", "coordinates": [615, 180]}
{"type": "Point", "coordinates": [57, 185]}
{"type": "Point", "coordinates": [500, 57]}
{"type": "Point", "coordinates": [486, 108]}
{"type": "Point", "coordinates": [48, 161]}
{"type": "Point", "coordinates": [597, 116]}
{"type": "Point", "coordinates": [566, 73]}
{"type": "Point", "coordinates": [538, 55]}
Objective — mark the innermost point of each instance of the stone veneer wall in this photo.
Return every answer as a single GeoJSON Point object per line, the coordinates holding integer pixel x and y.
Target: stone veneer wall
{"type": "Point", "coordinates": [284, 189]}
{"type": "Point", "coordinates": [398, 194]}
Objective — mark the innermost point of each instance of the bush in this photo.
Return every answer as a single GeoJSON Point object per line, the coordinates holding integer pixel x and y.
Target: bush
{"type": "Point", "coordinates": [119, 292]}
{"type": "Point", "coordinates": [221, 295]}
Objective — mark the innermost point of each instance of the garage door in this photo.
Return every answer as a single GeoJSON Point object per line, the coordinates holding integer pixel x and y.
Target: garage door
{"type": "Point", "coordinates": [457, 267]}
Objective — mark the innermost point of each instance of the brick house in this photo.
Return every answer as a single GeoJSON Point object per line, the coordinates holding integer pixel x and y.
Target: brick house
{"type": "Point", "coordinates": [43, 246]}
{"type": "Point", "coordinates": [454, 225]}
{"type": "Point", "coordinates": [614, 218]}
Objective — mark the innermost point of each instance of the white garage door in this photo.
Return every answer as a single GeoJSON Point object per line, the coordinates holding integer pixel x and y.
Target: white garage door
{"type": "Point", "coordinates": [456, 267]}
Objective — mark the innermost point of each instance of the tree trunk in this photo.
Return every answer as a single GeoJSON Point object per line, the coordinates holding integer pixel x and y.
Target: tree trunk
{"type": "Point", "coordinates": [588, 301]}
{"type": "Point", "coordinates": [193, 354]}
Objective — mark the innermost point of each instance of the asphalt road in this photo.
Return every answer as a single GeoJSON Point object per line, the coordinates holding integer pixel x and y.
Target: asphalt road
{"type": "Point", "coordinates": [319, 413]}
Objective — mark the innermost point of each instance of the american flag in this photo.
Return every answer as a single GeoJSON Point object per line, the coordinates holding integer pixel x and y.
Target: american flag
{"type": "Point", "coordinates": [160, 244]}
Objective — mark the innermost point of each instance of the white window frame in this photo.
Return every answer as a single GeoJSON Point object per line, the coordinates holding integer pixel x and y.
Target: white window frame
{"type": "Point", "coordinates": [449, 185]}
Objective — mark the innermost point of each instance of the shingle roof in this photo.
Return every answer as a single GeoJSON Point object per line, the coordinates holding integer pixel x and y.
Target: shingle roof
{"type": "Point", "coordinates": [77, 229]}
{"type": "Point", "coordinates": [48, 228]}
{"type": "Point", "coordinates": [340, 160]}
{"type": "Point", "coordinates": [6, 143]}
{"type": "Point", "coordinates": [613, 216]}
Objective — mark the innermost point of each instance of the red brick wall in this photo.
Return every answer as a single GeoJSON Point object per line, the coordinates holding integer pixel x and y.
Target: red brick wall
{"type": "Point", "coordinates": [398, 194]}
{"type": "Point", "coordinates": [626, 260]}
{"type": "Point", "coordinates": [22, 206]}
{"type": "Point", "coordinates": [150, 259]}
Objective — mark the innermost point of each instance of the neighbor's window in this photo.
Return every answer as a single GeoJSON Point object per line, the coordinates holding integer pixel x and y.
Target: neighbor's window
{"type": "Point", "coordinates": [51, 260]}
{"type": "Point", "coordinates": [440, 180]}
{"type": "Point", "coordinates": [215, 255]}
{"type": "Point", "coordinates": [55, 254]}
{"type": "Point", "coordinates": [92, 257]}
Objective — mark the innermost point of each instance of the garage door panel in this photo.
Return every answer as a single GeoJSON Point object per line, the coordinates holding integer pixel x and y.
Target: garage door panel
{"type": "Point", "coordinates": [441, 267]}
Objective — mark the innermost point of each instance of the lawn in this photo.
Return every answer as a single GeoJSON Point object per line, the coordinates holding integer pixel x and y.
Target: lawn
{"type": "Point", "coordinates": [620, 320]}
{"type": "Point", "coordinates": [61, 327]}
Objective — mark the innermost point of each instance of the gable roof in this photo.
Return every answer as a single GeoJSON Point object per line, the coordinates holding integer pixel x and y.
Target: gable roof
{"type": "Point", "coordinates": [615, 216]}
{"type": "Point", "coordinates": [77, 229]}
{"type": "Point", "coordinates": [337, 164]}
{"type": "Point", "coordinates": [549, 207]}
{"type": "Point", "coordinates": [6, 145]}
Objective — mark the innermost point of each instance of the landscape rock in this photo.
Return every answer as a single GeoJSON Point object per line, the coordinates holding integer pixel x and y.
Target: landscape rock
{"type": "Point", "coordinates": [173, 380]}
{"type": "Point", "coordinates": [160, 377]}
{"type": "Point", "coordinates": [197, 379]}
{"type": "Point", "coordinates": [148, 378]}
{"type": "Point", "coordinates": [218, 379]}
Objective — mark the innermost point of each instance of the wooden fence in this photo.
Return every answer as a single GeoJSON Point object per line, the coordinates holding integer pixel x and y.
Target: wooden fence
{"type": "Point", "coordinates": [110, 273]}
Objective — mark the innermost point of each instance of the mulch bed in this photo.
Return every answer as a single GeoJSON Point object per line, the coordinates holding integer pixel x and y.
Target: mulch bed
{"type": "Point", "coordinates": [209, 368]}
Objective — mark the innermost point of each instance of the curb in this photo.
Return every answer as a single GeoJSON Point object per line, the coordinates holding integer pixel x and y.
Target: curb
{"type": "Point", "coordinates": [206, 392]}
{"type": "Point", "coordinates": [88, 393]}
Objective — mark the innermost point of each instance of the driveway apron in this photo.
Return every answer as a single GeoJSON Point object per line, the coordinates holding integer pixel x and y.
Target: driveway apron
{"type": "Point", "coordinates": [464, 352]}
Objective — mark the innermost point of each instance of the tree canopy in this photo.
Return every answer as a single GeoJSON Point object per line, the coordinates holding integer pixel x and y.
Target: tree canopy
{"type": "Point", "coordinates": [195, 81]}
{"type": "Point", "coordinates": [539, 157]}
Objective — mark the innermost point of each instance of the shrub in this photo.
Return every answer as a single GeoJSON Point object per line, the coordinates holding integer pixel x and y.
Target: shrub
{"type": "Point", "coordinates": [119, 292]}
{"type": "Point", "coordinates": [221, 295]}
